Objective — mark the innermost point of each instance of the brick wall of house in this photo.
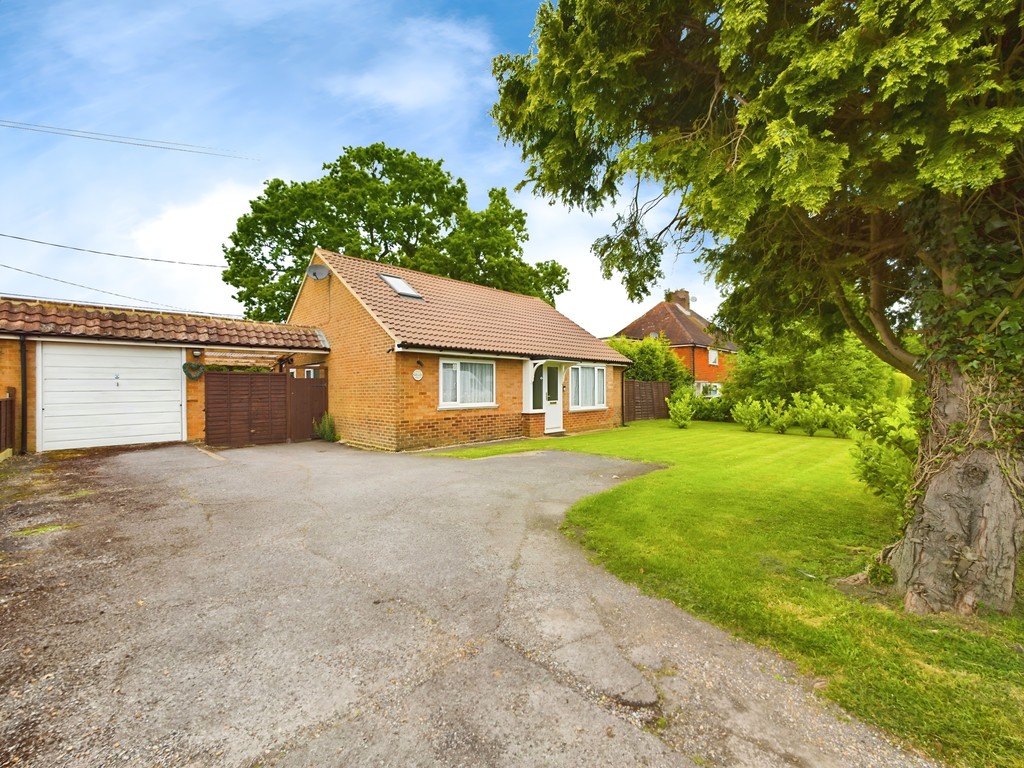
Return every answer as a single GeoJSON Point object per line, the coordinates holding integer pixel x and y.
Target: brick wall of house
{"type": "Point", "coordinates": [696, 361]}
{"type": "Point", "coordinates": [361, 384]}
{"type": "Point", "coordinates": [533, 425]}
{"type": "Point", "coordinates": [421, 424]}
{"type": "Point", "coordinates": [195, 402]}
{"type": "Point", "coordinates": [10, 376]}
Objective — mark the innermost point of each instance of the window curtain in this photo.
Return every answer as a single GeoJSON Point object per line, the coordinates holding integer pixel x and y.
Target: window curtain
{"type": "Point", "coordinates": [449, 383]}
{"type": "Point", "coordinates": [476, 382]}
{"type": "Point", "coordinates": [587, 381]}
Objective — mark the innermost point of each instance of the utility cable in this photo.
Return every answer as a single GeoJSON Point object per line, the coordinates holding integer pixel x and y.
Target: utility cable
{"type": "Point", "coordinates": [97, 290]}
{"type": "Point", "coordinates": [114, 138]}
{"type": "Point", "coordinates": [108, 253]}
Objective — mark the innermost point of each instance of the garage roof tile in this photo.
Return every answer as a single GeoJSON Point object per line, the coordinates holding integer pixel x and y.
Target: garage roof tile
{"type": "Point", "coordinates": [40, 317]}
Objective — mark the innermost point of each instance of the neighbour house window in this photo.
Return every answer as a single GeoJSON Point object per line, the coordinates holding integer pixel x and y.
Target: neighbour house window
{"type": "Point", "coordinates": [712, 357]}
{"type": "Point", "coordinates": [710, 390]}
{"type": "Point", "coordinates": [466, 383]}
{"type": "Point", "coordinates": [586, 387]}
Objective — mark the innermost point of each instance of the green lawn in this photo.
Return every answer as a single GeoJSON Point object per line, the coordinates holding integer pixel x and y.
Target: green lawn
{"type": "Point", "coordinates": [750, 531]}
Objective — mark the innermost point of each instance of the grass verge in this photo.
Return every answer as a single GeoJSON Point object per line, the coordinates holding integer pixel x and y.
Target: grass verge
{"type": "Point", "coordinates": [752, 530]}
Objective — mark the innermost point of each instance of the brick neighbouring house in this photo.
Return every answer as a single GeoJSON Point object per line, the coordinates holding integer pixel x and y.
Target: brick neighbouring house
{"type": "Point", "coordinates": [709, 359]}
{"type": "Point", "coordinates": [89, 376]}
{"type": "Point", "coordinates": [420, 361]}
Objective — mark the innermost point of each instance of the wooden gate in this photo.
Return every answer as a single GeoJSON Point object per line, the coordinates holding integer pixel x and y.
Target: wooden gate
{"type": "Point", "coordinates": [246, 408]}
{"type": "Point", "coordinates": [307, 403]}
{"type": "Point", "coordinates": [261, 408]}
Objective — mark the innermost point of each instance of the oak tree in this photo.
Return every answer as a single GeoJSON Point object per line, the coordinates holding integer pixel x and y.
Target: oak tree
{"type": "Point", "coordinates": [388, 205]}
{"type": "Point", "coordinates": [856, 163]}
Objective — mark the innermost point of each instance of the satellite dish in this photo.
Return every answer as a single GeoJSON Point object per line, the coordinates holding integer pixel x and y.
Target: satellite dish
{"type": "Point", "coordinates": [317, 271]}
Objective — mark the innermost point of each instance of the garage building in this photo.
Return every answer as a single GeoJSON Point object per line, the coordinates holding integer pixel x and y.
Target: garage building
{"type": "Point", "coordinates": [85, 376]}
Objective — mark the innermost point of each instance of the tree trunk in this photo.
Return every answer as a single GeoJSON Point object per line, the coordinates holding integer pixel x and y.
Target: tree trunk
{"type": "Point", "coordinates": [962, 546]}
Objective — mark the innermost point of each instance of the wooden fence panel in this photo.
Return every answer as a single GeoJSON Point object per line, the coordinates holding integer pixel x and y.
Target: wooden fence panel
{"type": "Point", "coordinates": [644, 400]}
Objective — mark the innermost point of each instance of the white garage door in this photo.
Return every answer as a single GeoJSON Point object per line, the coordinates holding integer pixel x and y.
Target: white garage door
{"type": "Point", "coordinates": [100, 394]}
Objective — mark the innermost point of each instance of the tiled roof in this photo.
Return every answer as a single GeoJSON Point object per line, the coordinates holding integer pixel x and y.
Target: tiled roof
{"type": "Point", "coordinates": [683, 327]}
{"type": "Point", "coordinates": [84, 321]}
{"type": "Point", "coordinates": [457, 316]}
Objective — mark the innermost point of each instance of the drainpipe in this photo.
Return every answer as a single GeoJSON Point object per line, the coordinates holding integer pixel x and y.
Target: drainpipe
{"type": "Point", "coordinates": [24, 395]}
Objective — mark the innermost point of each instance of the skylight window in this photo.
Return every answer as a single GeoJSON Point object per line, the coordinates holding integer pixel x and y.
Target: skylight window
{"type": "Point", "coordinates": [399, 286]}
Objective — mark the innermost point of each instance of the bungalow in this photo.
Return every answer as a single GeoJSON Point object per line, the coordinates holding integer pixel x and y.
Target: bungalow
{"type": "Point", "coordinates": [86, 376]}
{"type": "Point", "coordinates": [419, 361]}
{"type": "Point", "coordinates": [706, 357]}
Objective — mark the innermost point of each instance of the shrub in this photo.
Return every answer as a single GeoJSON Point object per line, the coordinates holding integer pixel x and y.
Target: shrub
{"type": "Point", "coordinates": [777, 415]}
{"type": "Point", "coordinates": [809, 412]}
{"type": "Point", "coordinates": [681, 406]}
{"type": "Point", "coordinates": [749, 413]}
{"type": "Point", "coordinates": [841, 420]}
{"type": "Point", "coordinates": [324, 429]}
{"type": "Point", "coordinates": [711, 409]}
{"type": "Point", "coordinates": [885, 449]}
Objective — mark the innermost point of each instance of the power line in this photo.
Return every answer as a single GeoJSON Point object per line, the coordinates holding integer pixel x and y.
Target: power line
{"type": "Point", "coordinates": [108, 253]}
{"type": "Point", "coordinates": [113, 138]}
{"type": "Point", "coordinates": [97, 290]}
{"type": "Point", "coordinates": [15, 123]}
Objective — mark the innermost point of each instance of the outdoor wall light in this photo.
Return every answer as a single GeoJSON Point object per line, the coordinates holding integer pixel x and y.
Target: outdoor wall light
{"type": "Point", "coordinates": [197, 353]}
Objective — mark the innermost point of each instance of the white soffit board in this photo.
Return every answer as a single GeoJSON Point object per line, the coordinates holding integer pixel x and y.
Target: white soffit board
{"type": "Point", "coordinates": [100, 394]}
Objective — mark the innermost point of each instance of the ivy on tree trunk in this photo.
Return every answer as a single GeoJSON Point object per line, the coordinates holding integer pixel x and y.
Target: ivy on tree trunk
{"type": "Point", "coordinates": [962, 544]}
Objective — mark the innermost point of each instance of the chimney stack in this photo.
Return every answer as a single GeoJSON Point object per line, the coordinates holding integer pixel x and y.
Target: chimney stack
{"type": "Point", "coordinates": [682, 298]}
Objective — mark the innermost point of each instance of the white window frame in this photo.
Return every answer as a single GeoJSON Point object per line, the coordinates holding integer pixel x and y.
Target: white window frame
{"type": "Point", "coordinates": [457, 403]}
{"type": "Point", "coordinates": [712, 357]}
{"type": "Point", "coordinates": [600, 393]}
{"type": "Point", "coordinates": [710, 389]}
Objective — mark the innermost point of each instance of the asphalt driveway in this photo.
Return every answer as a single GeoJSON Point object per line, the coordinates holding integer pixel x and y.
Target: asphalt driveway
{"type": "Point", "coordinates": [314, 605]}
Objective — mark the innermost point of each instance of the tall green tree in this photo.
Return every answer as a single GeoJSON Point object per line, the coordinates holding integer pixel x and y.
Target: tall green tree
{"type": "Point", "coordinates": [859, 163]}
{"type": "Point", "coordinates": [386, 205]}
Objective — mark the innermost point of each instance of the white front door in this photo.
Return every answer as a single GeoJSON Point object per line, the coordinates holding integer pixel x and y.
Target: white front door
{"type": "Point", "coordinates": [552, 397]}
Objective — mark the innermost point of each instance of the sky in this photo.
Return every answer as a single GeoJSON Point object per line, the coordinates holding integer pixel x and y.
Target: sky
{"type": "Point", "coordinates": [246, 91]}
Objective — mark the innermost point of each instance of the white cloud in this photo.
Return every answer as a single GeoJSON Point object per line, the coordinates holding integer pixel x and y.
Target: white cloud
{"type": "Point", "coordinates": [193, 232]}
{"type": "Point", "coordinates": [423, 64]}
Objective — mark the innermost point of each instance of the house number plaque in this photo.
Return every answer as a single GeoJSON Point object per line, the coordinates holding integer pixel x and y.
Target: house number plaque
{"type": "Point", "coordinates": [417, 375]}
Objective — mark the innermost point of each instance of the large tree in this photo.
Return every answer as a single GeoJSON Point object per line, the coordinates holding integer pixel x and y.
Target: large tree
{"type": "Point", "coordinates": [387, 205]}
{"type": "Point", "coordinates": [857, 162]}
